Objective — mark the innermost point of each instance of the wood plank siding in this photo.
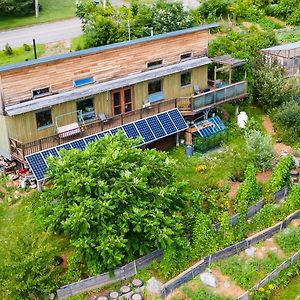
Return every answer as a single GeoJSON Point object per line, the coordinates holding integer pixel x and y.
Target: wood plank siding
{"type": "Point", "coordinates": [17, 84]}
{"type": "Point", "coordinates": [23, 127]}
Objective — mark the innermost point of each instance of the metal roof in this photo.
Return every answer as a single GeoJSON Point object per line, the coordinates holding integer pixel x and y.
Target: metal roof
{"type": "Point", "coordinates": [229, 61]}
{"type": "Point", "coordinates": [284, 47]}
{"type": "Point", "coordinates": [105, 48]}
{"type": "Point", "coordinates": [96, 88]}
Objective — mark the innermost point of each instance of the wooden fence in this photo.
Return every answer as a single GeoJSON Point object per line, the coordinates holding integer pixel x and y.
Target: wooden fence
{"type": "Point", "coordinates": [199, 267]}
{"type": "Point", "coordinates": [274, 274]}
{"type": "Point", "coordinates": [131, 268]}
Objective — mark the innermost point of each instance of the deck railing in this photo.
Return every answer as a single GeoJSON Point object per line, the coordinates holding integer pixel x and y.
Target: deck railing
{"type": "Point", "coordinates": [188, 106]}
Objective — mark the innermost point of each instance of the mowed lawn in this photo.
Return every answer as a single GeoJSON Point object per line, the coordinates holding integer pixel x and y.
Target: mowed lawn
{"type": "Point", "coordinates": [19, 55]}
{"type": "Point", "coordinates": [52, 10]}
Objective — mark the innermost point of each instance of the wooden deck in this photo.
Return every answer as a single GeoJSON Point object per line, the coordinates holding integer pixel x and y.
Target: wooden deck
{"type": "Point", "coordinates": [188, 106]}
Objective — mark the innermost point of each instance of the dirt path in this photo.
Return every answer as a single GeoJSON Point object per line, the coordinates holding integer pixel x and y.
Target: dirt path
{"type": "Point", "coordinates": [280, 148]}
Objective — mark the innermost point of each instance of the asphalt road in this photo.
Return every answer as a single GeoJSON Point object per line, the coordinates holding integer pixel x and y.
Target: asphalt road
{"type": "Point", "coordinates": [53, 32]}
{"type": "Point", "coordinates": [42, 33]}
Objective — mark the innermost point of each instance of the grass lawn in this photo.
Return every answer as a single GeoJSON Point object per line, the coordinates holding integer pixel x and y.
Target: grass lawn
{"type": "Point", "coordinates": [19, 55]}
{"type": "Point", "coordinates": [292, 291]}
{"type": "Point", "coordinates": [221, 164]}
{"type": "Point", "coordinates": [52, 10]}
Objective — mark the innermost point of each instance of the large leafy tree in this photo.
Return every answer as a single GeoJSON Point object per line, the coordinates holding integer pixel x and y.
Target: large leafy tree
{"type": "Point", "coordinates": [114, 200]}
{"type": "Point", "coordinates": [105, 26]}
{"type": "Point", "coordinates": [16, 7]}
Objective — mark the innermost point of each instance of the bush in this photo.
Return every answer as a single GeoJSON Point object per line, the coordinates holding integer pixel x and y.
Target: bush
{"type": "Point", "coordinates": [280, 176]}
{"type": "Point", "coordinates": [250, 191]}
{"type": "Point", "coordinates": [289, 240]}
{"type": "Point", "coordinates": [8, 50]}
{"type": "Point", "coordinates": [26, 47]}
{"type": "Point", "coordinates": [260, 149]}
{"type": "Point", "coordinates": [287, 121]}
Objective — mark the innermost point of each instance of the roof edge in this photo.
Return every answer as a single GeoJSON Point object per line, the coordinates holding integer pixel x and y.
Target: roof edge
{"type": "Point", "coordinates": [95, 50]}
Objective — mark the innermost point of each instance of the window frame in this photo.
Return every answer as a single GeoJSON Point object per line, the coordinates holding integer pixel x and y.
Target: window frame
{"type": "Point", "coordinates": [83, 84]}
{"type": "Point", "coordinates": [156, 96]}
{"type": "Point", "coordinates": [160, 63]}
{"type": "Point", "coordinates": [186, 58]}
{"type": "Point", "coordinates": [46, 125]}
{"type": "Point", "coordinates": [88, 112]}
{"type": "Point", "coordinates": [43, 94]}
{"type": "Point", "coordinates": [190, 77]}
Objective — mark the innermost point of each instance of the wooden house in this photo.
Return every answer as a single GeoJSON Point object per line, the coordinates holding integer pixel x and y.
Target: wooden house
{"type": "Point", "coordinates": [52, 100]}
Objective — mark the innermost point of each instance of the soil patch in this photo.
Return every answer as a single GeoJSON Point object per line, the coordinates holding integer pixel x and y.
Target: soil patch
{"type": "Point", "coordinates": [56, 48]}
{"type": "Point", "coordinates": [295, 223]}
{"type": "Point", "coordinates": [277, 21]}
{"type": "Point", "coordinates": [226, 287]}
{"type": "Point", "coordinates": [268, 125]}
{"type": "Point", "coordinates": [177, 294]}
{"type": "Point", "coordinates": [263, 177]}
{"type": "Point", "coordinates": [234, 187]}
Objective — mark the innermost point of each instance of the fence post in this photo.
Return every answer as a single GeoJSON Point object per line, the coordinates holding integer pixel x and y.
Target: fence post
{"type": "Point", "coordinates": [209, 261]}
{"type": "Point", "coordinates": [135, 270]}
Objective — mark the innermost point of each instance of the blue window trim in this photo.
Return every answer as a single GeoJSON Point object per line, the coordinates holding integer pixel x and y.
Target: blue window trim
{"type": "Point", "coordinates": [156, 97]}
{"type": "Point", "coordinates": [83, 81]}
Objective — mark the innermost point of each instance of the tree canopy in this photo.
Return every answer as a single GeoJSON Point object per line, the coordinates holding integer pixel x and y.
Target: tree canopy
{"type": "Point", "coordinates": [105, 26]}
{"type": "Point", "coordinates": [115, 201]}
{"type": "Point", "coordinates": [16, 7]}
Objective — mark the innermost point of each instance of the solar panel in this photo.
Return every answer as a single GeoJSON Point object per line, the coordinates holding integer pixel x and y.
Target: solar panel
{"type": "Point", "coordinates": [156, 127]}
{"type": "Point", "coordinates": [79, 144]}
{"type": "Point", "coordinates": [102, 134]}
{"type": "Point", "coordinates": [49, 152]}
{"type": "Point", "coordinates": [145, 131]}
{"type": "Point", "coordinates": [210, 127]}
{"type": "Point", "coordinates": [178, 119]}
{"type": "Point", "coordinates": [150, 129]}
{"type": "Point", "coordinates": [64, 146]}
{"type": "Point", "coordinates": [131, 131]}
{"type": "Point", "coordinates": [167, 123]}
{"type": "Point", "coordinates": [115, 130]}
{"type": "Point", "coordinates": [91, 138]}
{"type": "Point", "coordinates": [37, 165]}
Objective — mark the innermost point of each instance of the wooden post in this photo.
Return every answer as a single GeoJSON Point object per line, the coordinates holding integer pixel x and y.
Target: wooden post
{"type": "Point", "coordinates": [37, 10]}
{"type": "Point", "coordinates": [230, 75]}
{"type": "Point", "coordinates": [215, 76]}
{"type": "Point", "coordinates": [188, 137]}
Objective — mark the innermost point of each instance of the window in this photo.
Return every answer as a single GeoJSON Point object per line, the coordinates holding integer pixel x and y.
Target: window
{"type": "Point", "coordinates": [43, 118]}
{"type": "Point", "coordinates": [185, 56]}
{"type": "Point", "coordinates": [87, 108]}
{"type": "Point", "coordinates": [155, 91]}
{"type": "Point", "coordinates": [185, 78]}
{"type": "Point", "coordinates": [156, 63]}
{"type": "Point", "coordinates": [83, 81]}
{"type": "Point", "coordinates": [40, 92]}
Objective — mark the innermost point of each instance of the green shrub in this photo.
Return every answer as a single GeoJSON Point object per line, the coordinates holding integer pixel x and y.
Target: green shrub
{"type": "Point", "coordinates": [26, 47]}
{"type": "Point", "coordinates": [203, 144]}
{"type": "Point", "coordinates": [8, 50]}
{"type": "Point", "coordinates": [260, 149]}
{"type": "Point", "coordinates": [289, 240]}
{"type": "Point", "coordinates": [280, 176]}
{"type": "Point", "coordinates": [250, 191]}
{"type": "Point", "coordinates": [287, 121]}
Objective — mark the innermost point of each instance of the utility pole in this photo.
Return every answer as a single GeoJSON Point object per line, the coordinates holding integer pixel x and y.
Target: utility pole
{"type": "Point", "coordinates": [104, 4]}
{"type": "Point", "coordinates": [36, 5]}
{"type": "Point", "coordinates": [129, 32]}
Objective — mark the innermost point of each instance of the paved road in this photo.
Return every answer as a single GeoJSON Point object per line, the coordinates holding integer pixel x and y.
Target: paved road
{"type": "Point", "coordinates": [43, 33]}
{"type": "Point", "coordinates": [53, 32]}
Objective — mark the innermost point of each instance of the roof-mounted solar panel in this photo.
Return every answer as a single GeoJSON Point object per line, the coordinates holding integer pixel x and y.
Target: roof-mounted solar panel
{"type": "Point", "coordinates": [149, 129]}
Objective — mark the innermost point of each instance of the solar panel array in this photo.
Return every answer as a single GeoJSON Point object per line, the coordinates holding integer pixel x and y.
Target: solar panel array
{"type": "Point", "coordinates": [148, 130]}
{"type": "Point", "coordinates": [210, 127]}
